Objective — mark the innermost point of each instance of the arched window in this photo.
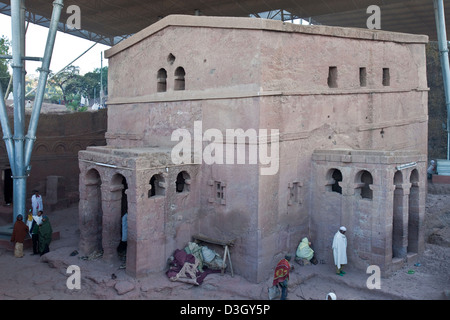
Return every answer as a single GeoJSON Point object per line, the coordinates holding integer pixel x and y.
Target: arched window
{"type": "Point", "coordinates": [183, 182]}
{"type": "Point", "coordinates": [364, 180]}
{"type": "Point", "coordinates": [398, 178]}
{"type": "Point", "coordinates": [179, 79]}
{"type": "Point", "coordinates": [334, 177]}
{"type": "Point", "coordinates": [414, 178]}
{"type": "Point", "coordinates": [157, 187]}
{"type": "Point", "coordinates": [337, 177]}
{"type": "Point", "coordinates": [161, 80]}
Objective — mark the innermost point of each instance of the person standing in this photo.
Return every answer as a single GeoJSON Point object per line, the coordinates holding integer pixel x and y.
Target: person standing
{"type": "Point", "coordinates": [340, 250]}
{"type": "Point", "coordinates": [30, 221]}
{"type": "Point", "coordinates": [19, 233]}
{"type": "Point", "coordinates": [37, 220]}
{"type": "Point", "coordinates": [36, 202]}
{"type": "Point", "coordinates": [281, 276]}
{"type": "Point", "coordinates": [45, 235]}
{"type": "Point", "coordinates": [431, 170]}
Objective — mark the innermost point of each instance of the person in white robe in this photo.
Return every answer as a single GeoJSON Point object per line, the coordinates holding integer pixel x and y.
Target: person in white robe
{"type": "Point", "coordinates": [340, 250]}
{"type": "Point", "coordinates": [36, 202]}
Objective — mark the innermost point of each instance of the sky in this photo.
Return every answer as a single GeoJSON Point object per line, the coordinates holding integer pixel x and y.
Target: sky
{"type": "Point", "coordinates": [67, 48]}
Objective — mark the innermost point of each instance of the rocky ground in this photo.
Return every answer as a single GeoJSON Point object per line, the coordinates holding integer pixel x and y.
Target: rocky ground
{"type": "Point", "coordinates": [45, 278]}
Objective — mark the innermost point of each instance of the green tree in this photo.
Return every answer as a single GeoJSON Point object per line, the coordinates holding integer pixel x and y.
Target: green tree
{"type": "Point", "coordinates": [4, 72]}
{"type": "Point", "coordinates": [67, 80]}
{"type": "Point", "coordinates": [91, 82]}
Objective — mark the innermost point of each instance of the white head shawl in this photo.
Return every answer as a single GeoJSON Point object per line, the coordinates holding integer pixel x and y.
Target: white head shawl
{"type": "Point", "coordinates": [331, 295]}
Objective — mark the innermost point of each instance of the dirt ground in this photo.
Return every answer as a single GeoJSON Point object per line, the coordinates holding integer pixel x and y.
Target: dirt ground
{"type": "Point", "coordinates": [45, 278]}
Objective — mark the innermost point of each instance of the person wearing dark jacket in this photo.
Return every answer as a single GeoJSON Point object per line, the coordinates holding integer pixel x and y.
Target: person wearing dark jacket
{"type": "Point", "coordinates": [45, 235]}
{"type": "Point", "coordinates": [37, 220]}
{"type": "Point", "coordinates": [20, 231]}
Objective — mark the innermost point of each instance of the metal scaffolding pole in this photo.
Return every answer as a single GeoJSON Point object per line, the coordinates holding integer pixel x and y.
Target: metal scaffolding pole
{"type": "Point", "coordinates": [443, 49]}
{"type": "Point", "coordinates": [43, 76]}
{"type": "Point", "coordinates": [18, 50]}
{"type": "Point", "coordinates": [18, 146]}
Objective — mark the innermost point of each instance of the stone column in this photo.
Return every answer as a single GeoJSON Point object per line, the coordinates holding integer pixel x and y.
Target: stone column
{"type": "Point", "coordinates": [90, 215]}
{"type": "Point", "coordinates": [400, 233]}
{"type": "Point", "coordinates": [111, 206]}
{"type": "Point", "coordinates": [414, 219]}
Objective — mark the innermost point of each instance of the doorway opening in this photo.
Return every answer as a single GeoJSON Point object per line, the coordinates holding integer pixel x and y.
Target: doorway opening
{"type": "Point", "coordinates": [7, 186]}
{"type": "Point", "coordinates": [122, 248]}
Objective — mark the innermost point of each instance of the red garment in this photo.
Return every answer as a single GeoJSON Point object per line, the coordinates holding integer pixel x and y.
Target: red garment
{"type": "Point", "coordinates": [180, 258]}
{"type": "Point", "coordinates": [281, 272]}
{"type": "Point", "coordinates": [20, 231]}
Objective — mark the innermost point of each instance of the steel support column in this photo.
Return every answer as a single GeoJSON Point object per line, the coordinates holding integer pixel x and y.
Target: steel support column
{"type": "Point", "coordinates": [18, 50]}
{"type": "Point", "coordinates": [19, 147]}
{"type": "Point", "coordinates": [443, 49]}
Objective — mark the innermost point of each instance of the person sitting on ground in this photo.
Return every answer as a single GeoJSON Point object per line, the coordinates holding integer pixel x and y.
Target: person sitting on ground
{"type": "Point", "coordinates": [304, 251]}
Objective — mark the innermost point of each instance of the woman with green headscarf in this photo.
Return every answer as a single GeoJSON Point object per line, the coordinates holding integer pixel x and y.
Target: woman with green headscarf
{"type": "Point", "coordinates": [45, 235]}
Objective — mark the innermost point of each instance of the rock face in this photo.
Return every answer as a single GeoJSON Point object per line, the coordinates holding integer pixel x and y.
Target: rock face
{"type": "Point", "coordinates": [298, 106]}
{"type": "Point", "coordinates": [441, 237]}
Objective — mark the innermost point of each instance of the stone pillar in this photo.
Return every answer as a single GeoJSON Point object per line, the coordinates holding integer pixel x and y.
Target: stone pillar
{"type": "Point", "coordinates": [381, 235]}
{"type": "Point", "coordinates": [348, 193]}
{"type": "Point", "coordinates": [400, 220]}
{"type": "Point", "coordinates": [90, 215]}
{"type": "Point", "coordinates": [414, 219]}
{"type": "Point", "coordinates": [111, 207]}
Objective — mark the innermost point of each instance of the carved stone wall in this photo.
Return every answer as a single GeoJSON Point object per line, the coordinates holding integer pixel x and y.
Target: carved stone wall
{"type": "Point", "coordinates": [59, 138]}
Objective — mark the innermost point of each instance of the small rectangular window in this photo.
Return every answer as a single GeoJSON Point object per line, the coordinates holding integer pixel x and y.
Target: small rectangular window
{"type": "Point", "coordinates": [220, 192]}
{"type": "Point", "coordinates": [362, 77]}
{"type": "Point", "coordinates": [332, 77]}
{"type": "Point", "coordinates": [294, 193]}
{"type": "Point", "coordinates": [386, 77]}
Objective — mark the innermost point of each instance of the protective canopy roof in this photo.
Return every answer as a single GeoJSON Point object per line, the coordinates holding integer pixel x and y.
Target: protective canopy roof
{"type": "Point", "coordinates": [109, 21]}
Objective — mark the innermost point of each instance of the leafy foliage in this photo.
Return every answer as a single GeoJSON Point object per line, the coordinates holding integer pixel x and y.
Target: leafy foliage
{"type": "Point", "coordinates": [4, 72]}
{"type": "Point", "coordinates": [73, 86]}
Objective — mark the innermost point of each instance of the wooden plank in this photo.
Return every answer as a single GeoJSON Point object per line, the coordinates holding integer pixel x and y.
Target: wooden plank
{"type": "Point", "coordinates": [231, 265]}
{"type": "Point", "coordinates": [204, 238]}
{"type": "Point", "coordinates": [224, 260]}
